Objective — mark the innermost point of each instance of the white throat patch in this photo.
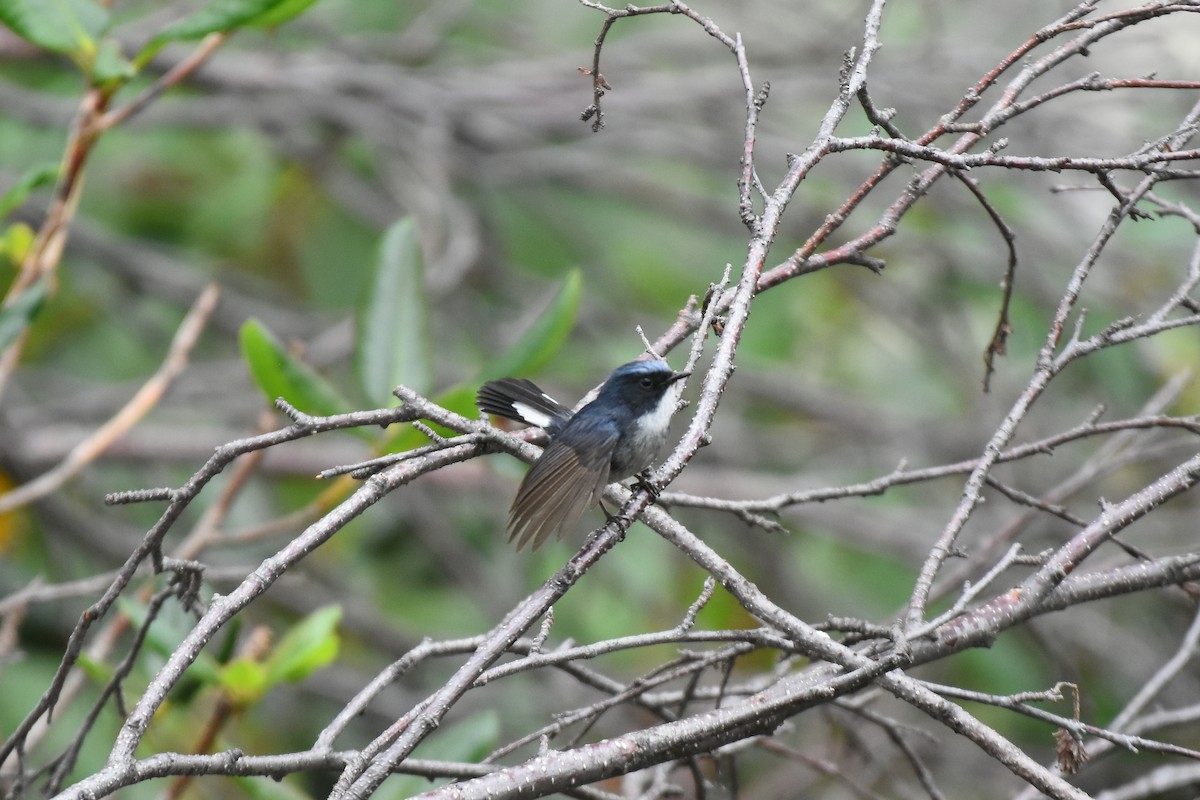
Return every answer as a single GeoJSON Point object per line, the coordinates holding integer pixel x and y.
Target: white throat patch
{"type": "Point", "coordinates": [656, 422]}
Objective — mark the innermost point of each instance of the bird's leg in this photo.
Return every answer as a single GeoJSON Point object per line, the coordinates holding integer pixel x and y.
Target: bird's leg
{"type": "Point", "coordinates": [642, 481]}
{"type": "Point", "coordinates": [609, 518]}
{"type": "Point", "coordinates": [612, 518]}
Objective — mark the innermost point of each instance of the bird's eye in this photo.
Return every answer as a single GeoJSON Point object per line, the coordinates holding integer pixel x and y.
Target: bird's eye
{"type": "Point", "coordinates": [646, 383]}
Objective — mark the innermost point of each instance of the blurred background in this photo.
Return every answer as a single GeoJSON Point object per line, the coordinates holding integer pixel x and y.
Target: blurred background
{"type": "Point", "coordinates": [276, 170]}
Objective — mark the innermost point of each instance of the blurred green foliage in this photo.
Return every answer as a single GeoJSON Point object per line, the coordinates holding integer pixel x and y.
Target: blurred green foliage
{"type": "Point", "coordinates": [564, 272]}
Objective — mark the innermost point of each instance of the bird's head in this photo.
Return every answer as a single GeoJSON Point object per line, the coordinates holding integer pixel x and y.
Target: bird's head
{"type": "Point", "coordinates": [640, 385]}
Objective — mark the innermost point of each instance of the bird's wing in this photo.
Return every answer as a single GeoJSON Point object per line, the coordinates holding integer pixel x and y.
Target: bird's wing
{"type": "Point", "coordinates": [562, 484]}
{"type": "Point", "coordinates": [522, 400]}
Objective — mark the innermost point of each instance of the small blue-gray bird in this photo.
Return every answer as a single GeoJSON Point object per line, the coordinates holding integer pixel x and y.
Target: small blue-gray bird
{"type": "Point", "coordinates": [618, 434]}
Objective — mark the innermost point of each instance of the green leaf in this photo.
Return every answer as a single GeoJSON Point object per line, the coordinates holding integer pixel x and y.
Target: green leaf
{"type": "Point", "coordinates": [17, 317]}
{"type": "Point", "coordinates": [97, 671]}
{"type": "Point", "coordinates": [280, 374]}
{"type": "Point", "coordinates": [31, 180]}
{"type": "Point", "coordinates": [460, 400]}
{"type": "Point", "coordinates": [228, 15]}
{"type": "Point", "coordinates": [111, 68]}
{"type": "Point", "coordinates": [543, 339]}
{"type": "Point", "coordinates": [393, 325]}
{"type": "Point", "coordinates": [227, 648]}
{"type": "Point", "coordinates": [245, 680]}
{"type": "Point", "coordinates": [281, 13]}
{"type": "Point", "coordinates": [205, 670]}
{"type": "Point", "coordinates": [163, 638]}
{"type": "Point", "coordinates": [63, 26]}
{"type": "Point", "coordinates": [18, 238]}
{"type": "Point", "coordinates": [309, 645]}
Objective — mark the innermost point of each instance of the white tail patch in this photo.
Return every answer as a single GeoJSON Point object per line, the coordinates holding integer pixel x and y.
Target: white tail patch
{"type": "Point", "coordinates": [532, 415]}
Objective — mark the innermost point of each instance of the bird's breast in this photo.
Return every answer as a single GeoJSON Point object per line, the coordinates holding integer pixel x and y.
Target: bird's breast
{"type": "Point", "coordinates": [643, 441]}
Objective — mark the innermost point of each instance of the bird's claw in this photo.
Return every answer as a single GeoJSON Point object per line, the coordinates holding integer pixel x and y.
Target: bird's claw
{"type": "Point", "coordinates": [642, 481]}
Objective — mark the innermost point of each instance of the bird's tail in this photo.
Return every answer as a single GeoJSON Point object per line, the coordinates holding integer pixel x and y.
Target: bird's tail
{"type": "Point", "coordinates": [523, 401]}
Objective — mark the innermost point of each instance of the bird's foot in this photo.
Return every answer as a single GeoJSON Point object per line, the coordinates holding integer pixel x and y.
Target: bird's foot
{"type": "Point", "coordinates": [642, 481]}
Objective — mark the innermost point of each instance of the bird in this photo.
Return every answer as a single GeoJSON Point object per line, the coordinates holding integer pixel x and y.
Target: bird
{"type": "Point", "coordinates": [616, 435]}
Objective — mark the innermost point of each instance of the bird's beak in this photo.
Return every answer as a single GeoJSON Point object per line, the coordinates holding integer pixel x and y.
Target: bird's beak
{"type": "Point", "coordinates": [678, 376]}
